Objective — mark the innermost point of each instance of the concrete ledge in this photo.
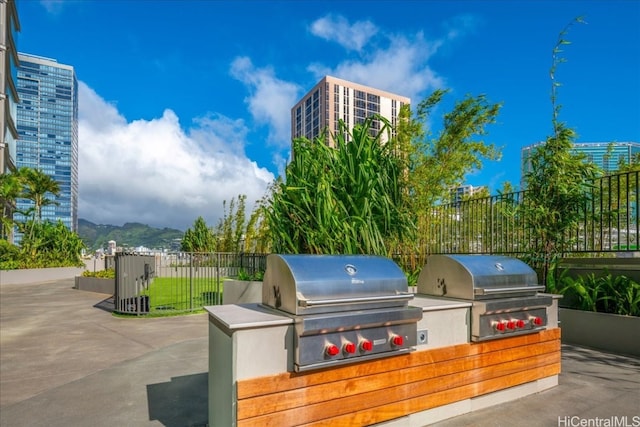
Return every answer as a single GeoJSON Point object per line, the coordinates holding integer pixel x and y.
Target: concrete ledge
{"type": "Point", "coordinates": [604, 331]}
{"type": "Point", "coordinates": [37, 275]}
{"type": "Point", "coordinates": [96, 284]}
{"type": "Point", "coordinates": [241, 292]}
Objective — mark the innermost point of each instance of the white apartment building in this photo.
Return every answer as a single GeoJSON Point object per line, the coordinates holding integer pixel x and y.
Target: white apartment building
{"type": "Point", "coordinates": [333, 99]}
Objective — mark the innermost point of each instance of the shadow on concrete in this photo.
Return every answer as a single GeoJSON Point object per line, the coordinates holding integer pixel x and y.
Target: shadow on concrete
{"type": "Point", "coordinates": [107, 305]}
{"type": "Point", "coordinates": [586, 354]}
{"type": "Point", "coordinates": [181, 402]}
{"type": "Point", "coordinates": [603, 368]}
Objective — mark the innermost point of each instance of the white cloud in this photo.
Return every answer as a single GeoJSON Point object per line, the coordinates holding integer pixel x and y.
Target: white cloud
{"type": "Point", "coordinates": [461, 25]}
{"type": "Point", "coordinates": [270, 99]}
{"type": "Point", "coordinates": [154, 172]}
{"type": "Point", "coordinates": [53, 6]}
{"type": "Point", "coordinates": [337, 28]}
{"type": "Point", "coordinates": [402, 67]}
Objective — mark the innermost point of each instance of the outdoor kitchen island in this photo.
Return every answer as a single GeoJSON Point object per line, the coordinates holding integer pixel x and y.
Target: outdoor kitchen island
{"type": "Point", "coordinates": [256, 378]}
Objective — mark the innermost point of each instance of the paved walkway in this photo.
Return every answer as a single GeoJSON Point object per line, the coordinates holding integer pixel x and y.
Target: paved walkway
{"type": "Point", "coordinates": [66, 362]}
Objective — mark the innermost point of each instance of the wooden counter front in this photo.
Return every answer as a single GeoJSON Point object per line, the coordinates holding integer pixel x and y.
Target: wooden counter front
{"type": "Point", "coordinates": [372, 392]}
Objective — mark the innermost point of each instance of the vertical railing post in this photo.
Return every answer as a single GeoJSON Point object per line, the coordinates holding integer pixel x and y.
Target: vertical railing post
{"type": "Point", "coordinates": [218, 296]}
{"type": "Point", "coordinates": [191, 280]}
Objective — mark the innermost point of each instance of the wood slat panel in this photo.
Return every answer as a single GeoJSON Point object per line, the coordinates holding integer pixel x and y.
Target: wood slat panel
{"type": "Point", "coordinates": [290, 380]}
{"type": "Point", "coordinates": [310, 395]}
{"type": "Point", "coordinates": [421, 403]}
{"type": "Point", "coordinates": [498, 374]}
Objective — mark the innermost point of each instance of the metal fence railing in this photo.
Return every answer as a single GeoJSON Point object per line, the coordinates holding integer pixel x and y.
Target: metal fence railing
{"type": "Point", "coordinates": [178, 282]}
{"type": "Point", "coordinates": [609, 222]}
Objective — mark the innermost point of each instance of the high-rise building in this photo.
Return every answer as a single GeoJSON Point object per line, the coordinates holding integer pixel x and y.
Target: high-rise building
{"type": "Point", "coordinates": [333, 99]}
{"type": "Point", "coordinates": [48, 131]}
{"type": "Point", "coordinates": [458, 194]}
{"type": "Point", "coordinates": [9, 27]}
{"type": "Point", "coordinates": [606, 155]}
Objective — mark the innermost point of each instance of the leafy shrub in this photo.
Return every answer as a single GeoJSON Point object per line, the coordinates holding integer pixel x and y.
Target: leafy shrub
{"type": "Point", "coordinates": [9, 256]}
{"type": "Point", "coordinates": [109, 273]}
{"type": "Point", "coordinates": [44, 244]}
{"type": "Point", "coordinates": [605, 294]}
{"type": "Point", "coordinates": [258, 276]}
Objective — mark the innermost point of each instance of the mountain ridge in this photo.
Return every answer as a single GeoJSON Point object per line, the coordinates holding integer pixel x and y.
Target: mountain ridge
{"type": "Point", "coordinates": [130, 234]}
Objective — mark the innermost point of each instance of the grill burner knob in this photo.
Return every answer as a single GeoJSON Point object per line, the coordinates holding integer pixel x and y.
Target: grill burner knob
{"type": "Point", "coordinates": [520, 324]}
{"type": "Point", "coordinates": [500, 326]}
{"type": "Point", "coordinates": [537, 321]}
{"type": "Point", "coordinates": [366, 345]}
{"type": "Point", "coordinates": [332, 350]}
{"type": "Point", "coordinates": [397, 340]}
{"type": "Point", "coordinates": [350, 348]}
{"type": "Point", "coordinates": [511, 324]}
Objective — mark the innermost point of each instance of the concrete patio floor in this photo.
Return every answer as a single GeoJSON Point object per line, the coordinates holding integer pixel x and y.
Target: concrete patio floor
{"type": "Point", "coordinates": [66, 361]}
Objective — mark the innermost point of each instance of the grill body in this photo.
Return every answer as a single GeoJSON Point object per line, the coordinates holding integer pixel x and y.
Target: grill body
{"type": "Point", "coordinates": [346, 308]}
{"type": "Point", "coordinates": [503, 292]}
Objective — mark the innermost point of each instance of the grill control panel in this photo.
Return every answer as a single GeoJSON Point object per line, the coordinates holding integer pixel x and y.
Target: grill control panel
{"type": "Point", "coordinates": [317, 351]}
{"type": "Point", "coordinates": [497, 325]}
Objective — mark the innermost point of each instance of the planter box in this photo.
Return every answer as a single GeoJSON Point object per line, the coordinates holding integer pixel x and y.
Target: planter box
{"type": "Point", "coordinates": [38, 275]}
{"type": "Point", "coordinates": [609, 332]}
{"type": "Point", "coordinates": [241, 292]}
{"type": "Point", "coordinates": [96, 284]}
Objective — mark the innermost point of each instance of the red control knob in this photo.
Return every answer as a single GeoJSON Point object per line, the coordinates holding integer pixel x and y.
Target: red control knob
{"type": "Point", "coordinates": [520, 324]}
{"type": "Point", "coordinates": [537, 321]}
{"type": "Point", "coordinates": [350, 348]}
{"type": "Point", "coordinates": [511, 324]}
{"type": "Point", "coordinates": [366, 345]}
{"type": "Point", "coordinates": [500, 326]}
{"type": "Point", "coordinates": [397, 340]}
{"type": "Point", "coordinates": [332, 350]}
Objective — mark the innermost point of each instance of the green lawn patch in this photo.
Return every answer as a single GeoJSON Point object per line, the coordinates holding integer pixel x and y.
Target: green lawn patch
{"type": "Point", "coordinates": [171, 294]}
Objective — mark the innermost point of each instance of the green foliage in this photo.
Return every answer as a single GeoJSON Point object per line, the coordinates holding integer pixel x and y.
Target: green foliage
{"type": "Point", "coordinates": [47, 244]}
{"type": "Point", "coordinates": [9, 256]}
{"type": "Point", "coordinates": [10, 190]}
{"type": "Point", "coordinates": [44, 244]}
{"type": "Point", "coordinates": [257, 232]}
{"type": "Point", "coordinates": [199, 239]}
{"type": "Point", "coordinates": [345, 200]}
{"type": "Point", "coordinates": [440, 163]}
{"type": "Point", "coordinates": [245, 275]}
{"type": "Point", "coordinates": [108, 273]}
{"type": "Point", "coordinates": [230, 231]}
{"type": "Point", "coordinates": [557, 183]}
{"type": "Point", "coordinates": [27, 183]}
{"type": "Point", "coordinates": [37, 186]}
{"type": "Point", "coordinates": [605, 294]}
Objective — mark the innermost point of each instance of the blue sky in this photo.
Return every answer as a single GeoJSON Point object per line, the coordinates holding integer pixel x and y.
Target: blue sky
{"type": "Point", "coordinates": [184, 104]}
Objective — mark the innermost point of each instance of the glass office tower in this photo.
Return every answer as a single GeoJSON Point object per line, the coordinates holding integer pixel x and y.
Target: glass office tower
{"type": "Point", "coordinates": [606, 155]}
{"type": "Point", "coordinates": [47, 123]}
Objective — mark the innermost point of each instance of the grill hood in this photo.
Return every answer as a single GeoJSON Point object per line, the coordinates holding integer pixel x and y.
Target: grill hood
{"type": "Point", "coordinates": [308, 284]}
{"type": "Point", "coordinates": [477, 277]}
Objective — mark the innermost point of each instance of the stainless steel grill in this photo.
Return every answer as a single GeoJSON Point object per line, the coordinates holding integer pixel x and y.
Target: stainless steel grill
{"type": "Point", "coordinates": [346, 308]}
{"type": "Point", "coordinates": [503, 292]}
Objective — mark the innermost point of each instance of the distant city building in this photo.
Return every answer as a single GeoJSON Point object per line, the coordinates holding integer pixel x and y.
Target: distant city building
{"type": "Point", "coordinates": [606, 155]}
{"type": "Point", "coordinates": [9, 27]}
{"type": "Point", "coordinates": [48, 130]}
{"type": "Point", "coordinates": [333, 99]}
{"type": "Point", "coordinates": [463, 192]}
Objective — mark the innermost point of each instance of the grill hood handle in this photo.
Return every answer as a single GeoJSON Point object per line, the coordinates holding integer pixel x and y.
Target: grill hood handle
{"type": "Point", "coordinates": [512, 290]}
{"type": "Point", "coordinates": [310, 303]}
